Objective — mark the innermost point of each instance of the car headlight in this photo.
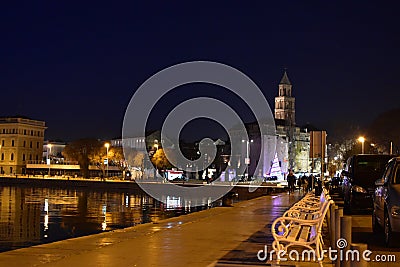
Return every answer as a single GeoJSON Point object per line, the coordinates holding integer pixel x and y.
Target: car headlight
{"type": "Point", "coordinates": [359, 189]}
{"type": "Point", "coordinates": [395, 211]}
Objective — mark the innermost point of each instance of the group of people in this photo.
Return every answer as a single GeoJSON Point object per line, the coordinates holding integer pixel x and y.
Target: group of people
{"type": "Point", "coordinates": [303, 182]}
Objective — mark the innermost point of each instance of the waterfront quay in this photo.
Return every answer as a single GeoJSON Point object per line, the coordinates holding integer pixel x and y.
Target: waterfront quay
{"type": "Point", "coordinates": [242, 189]}
{"type": "Point", "coordinates": [221, 236]}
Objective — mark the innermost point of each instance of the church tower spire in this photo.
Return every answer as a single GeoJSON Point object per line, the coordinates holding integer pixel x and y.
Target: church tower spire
{"type": "Point", "coordinates": [285, 102]}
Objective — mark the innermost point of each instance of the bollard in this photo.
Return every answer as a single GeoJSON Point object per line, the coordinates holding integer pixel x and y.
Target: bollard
{"type": "Point", "coordinates": [332, 225]}
{"type": "Point", "coordinates": [361, 262]}
{"type": "Point", "coordinates": [338, 215]}
{"type": "Point", "coordinates": [345, 233]}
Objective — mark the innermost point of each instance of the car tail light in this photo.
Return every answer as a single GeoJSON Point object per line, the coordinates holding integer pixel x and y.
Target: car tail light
{"type": "Point", "coordinates": [359, 189]}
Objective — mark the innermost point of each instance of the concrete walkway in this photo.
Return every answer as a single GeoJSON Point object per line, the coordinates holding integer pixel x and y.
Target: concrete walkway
{"type": "Point", "coordinates": [222, 236]}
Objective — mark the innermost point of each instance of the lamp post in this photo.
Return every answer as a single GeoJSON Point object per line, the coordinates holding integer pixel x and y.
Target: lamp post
{"type": "Point", "coordinates": [247, 159]}
{"type": "Point", "coordinates": [361, 139]}
{"type": "Point", "coordinates": [107, 145]}
{"type": "Point", "coordinates": [156, 147]}
{"type": "Point", "coordinates": [48, 156]}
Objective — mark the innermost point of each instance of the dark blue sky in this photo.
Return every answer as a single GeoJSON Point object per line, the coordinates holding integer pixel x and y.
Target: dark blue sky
{"type": "Point", "coordinates": [76, 65]}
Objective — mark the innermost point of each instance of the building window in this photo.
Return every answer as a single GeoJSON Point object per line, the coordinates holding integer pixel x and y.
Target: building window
{"type": "Point", "coordinates": [2, 156]}
{"type": "Point", "coordinates": [12, 156]}
{"type": "Point", "coordinates": [11, 170]}
{"type": "Point", "coordinates": [37, 145]}
{"type": "Point", "coordinates": [23, 157]}
{"type": "Point", "coordinates": [30, 156]}
{"type": "Point", "coordinates": [2, 142]}
{"type": "Point", "coordinates": [24, 143]}
{"type": "Point", "coordinates": [24, 132]}
{"type": "Point", "coordinates": [30, 144]}
{"type": "Point", "coordinates": [37, 157]}
{"type": "Point", "coordinates": [31, 132]}
{"type": "Point", "coordinates": [12, 142]}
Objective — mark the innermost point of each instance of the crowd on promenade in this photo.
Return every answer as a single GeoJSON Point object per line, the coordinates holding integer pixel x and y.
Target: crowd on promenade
{"type": "Point", "coordinates": [304, 183]}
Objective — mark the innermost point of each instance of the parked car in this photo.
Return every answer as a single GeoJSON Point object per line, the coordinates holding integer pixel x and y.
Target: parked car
{"type": "Point", "coordinates": [181, 179]}
{"type": "Point", "coordinates": [386, 212]}
{"type": "Point", "coordinates": [359, 176]}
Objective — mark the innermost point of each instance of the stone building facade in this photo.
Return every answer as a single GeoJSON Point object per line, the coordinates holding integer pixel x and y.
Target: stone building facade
{"type": "Point", "coordinates": [289, 142]}
{"type": "Point", "coordinates": [21, 142]}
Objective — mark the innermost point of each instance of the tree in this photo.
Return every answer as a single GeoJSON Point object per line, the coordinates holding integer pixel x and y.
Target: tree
{"type": "Point", "coordinates": [116, 158]}
{"type": "Point", "coordinates": [84, 151]}
{"type": "Point", "coordinates": [160, 160]}
{"type": "Point", "coordinates": [385, 129]}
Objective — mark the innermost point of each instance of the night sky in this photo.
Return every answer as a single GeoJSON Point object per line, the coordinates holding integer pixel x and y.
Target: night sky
{"type": "Point", "coordinates": [76, 65]}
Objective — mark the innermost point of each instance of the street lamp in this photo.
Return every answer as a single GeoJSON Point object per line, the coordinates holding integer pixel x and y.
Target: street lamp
{"type": "Point", "coordinates": [156, 147]}
{"type": "Point", "coordinates": [247, 159]}
{"type": "Point", "coordinates": [48, 156]}
{"type": "Point", "coordinates": [361, 139]}
{"type": "Point", "coordinates": [107, 145]}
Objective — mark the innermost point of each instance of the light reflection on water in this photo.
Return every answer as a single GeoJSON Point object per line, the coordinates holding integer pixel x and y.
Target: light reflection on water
{"type": "Point", "coordinates": [32, 215]}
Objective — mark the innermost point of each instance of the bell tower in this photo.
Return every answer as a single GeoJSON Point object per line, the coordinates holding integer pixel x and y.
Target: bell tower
{"type": "Point", "coordinates": [285, 102]}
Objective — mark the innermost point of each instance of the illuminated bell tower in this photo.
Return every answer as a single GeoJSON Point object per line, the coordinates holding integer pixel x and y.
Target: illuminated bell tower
{"type": "Point", "coordinates": [284, 102]}
{"type": "Point", "coordinates": [284, 110]}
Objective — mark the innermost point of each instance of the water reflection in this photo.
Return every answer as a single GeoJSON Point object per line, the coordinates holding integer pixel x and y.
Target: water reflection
{"type": "Point", "coordinates": [31, 215]}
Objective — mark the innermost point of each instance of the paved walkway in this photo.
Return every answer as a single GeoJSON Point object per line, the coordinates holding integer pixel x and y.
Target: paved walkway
{"type": "Point", "coordinates": [222, 236]}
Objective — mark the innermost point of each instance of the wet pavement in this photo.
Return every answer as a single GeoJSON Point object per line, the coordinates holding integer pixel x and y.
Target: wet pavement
{"type": "Point", "coordinates": [222, 236]}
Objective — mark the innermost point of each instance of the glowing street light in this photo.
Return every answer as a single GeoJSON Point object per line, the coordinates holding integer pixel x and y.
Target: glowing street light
{"type": "Point", "coordinates": [107, 145]}
{"type": "Point", "coordinates": [361, 139]}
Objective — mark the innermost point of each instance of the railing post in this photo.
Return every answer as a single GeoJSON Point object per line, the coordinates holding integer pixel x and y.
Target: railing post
{"type": "Point", "coordinates": [332, 225]}
{"type": "Point", "coordinates": [345, 235]}
{"type": "Point", "coordinates": [338, 215]}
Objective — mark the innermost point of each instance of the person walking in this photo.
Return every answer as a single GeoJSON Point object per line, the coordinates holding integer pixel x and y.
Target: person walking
{"type": "Point", "coordinates": [291, 179]}
{"type": "Point", "coordinates": [299, 182]}
{"type": "Point", "coordinates": [305, 184]}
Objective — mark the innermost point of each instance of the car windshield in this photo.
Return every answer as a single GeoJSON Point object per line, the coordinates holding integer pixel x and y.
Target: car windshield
{"type": "Point", "coordinates": [369, 169]}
